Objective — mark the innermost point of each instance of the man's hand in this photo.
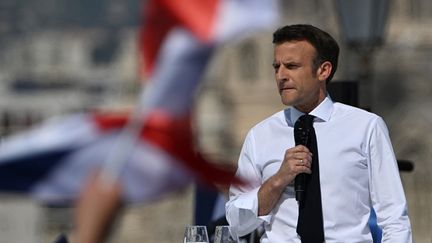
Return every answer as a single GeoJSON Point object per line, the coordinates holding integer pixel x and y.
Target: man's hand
{"type": "Point", "coordinates": [297, 160]}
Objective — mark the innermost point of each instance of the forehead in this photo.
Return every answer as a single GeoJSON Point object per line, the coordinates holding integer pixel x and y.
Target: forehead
{"type": "Point", "coordinates": [294, 50]}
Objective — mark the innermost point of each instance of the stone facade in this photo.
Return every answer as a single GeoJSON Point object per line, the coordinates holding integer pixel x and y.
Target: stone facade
{"type": "Point", "coordinates": [239, 91]}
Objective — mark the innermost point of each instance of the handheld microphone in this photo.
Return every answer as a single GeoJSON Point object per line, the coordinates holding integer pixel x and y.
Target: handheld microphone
{"type": "Point", "coordinates": [301, 137]}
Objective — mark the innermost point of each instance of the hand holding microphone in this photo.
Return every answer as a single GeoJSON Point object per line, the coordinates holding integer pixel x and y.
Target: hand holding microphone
{"type": "Point", "coordinates": [301, 137]}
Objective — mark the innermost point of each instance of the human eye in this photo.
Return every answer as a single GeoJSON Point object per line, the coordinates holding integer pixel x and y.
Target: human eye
{"type": "Point", "coordinates": [276, 66]}
{"type": "Point", "coordinates": [291, 65]}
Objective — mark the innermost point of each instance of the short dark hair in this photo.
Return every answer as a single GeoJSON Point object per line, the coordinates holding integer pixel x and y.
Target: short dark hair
{"type": "Point", "coordinates": [326, 47]}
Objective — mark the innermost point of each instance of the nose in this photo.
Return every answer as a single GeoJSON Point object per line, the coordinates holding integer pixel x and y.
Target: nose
{"type": "Point", "coordinates": [281, 73]}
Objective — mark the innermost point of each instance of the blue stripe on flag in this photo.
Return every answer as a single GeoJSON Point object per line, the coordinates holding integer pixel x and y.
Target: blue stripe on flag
{"type": "Point", "coordinates": [21, 174]}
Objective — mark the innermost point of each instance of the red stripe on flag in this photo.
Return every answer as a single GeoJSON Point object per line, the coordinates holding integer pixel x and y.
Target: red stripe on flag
{"type": "Point", "coordinates": [159, 16]}
{"type": "Point", "coordinates": [157, 22]}
{"type": "Point", "coordinates": [174, 136]}
{"type": "Point", "coordinates": [198, 16]}
{"type": "Point", "coordinates": [110, 120]}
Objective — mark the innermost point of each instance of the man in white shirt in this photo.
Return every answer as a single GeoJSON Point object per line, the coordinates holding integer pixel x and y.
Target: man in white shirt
{"type": "Point", "coordinates": [357, 166]}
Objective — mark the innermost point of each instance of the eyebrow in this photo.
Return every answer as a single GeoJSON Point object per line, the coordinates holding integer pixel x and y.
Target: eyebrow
{"type": "Point", "coordinates": [276, 63]}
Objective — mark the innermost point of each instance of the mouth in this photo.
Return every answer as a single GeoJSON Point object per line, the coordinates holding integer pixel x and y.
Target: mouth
{"type": "Point", "coordinates": [286, 89]}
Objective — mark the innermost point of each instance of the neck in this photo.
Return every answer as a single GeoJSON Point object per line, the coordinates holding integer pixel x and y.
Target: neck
{"type": "Point", "coordinates": [308, 107]}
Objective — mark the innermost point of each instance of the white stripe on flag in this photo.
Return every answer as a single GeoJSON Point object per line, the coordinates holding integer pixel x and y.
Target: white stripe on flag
{"type": "Point", "coordinates": [180, 67]}
{"type": "Point", "coordinates": [148, 173]}
{"type": "Point", "coordinates": [236, 19]}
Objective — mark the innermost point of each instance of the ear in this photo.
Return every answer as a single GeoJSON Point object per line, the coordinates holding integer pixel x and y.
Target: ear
{"type": "Point", "coordinates": [324, 70]}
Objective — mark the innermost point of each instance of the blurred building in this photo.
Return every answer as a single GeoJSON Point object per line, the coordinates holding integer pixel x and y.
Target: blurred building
{"type": "Point", "coordinates": [62, 56]}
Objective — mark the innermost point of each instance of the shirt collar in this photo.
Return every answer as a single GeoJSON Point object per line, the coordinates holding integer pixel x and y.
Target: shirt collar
{"type": "Point", "coordinates": [322, 112]}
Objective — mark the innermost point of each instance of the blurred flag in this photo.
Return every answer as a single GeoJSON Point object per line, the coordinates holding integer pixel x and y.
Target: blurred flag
{"type": "Point", "coordinates": [209, 21]}
{"type": "Point", "coordinates": [178, 38]}
{"type": "Point", "coordinates": [53, 161]}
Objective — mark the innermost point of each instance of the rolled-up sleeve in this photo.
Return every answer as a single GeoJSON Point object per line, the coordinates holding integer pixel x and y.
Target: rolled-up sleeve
{"type": "Point", "coordinates": [387, 194]}
{"type": "Point", "coordinates": [242, 207]}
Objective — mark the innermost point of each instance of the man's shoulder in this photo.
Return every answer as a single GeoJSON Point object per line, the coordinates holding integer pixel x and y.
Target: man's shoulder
{"type": "Point", "coordinates": [276, 119]}
{"type": "Point", "coordinates": [343, 110]}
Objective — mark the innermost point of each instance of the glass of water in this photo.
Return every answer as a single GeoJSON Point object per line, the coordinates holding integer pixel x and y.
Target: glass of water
{"type": "Point", "coordinates": [196, 234]}
{"type": "Point", "coordinates": [223, 235]}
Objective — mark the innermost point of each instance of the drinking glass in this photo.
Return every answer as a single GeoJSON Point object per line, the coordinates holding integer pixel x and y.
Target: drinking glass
{"type": "Point", "coordinates": [196, 234]}
{"type": "Point", "coordinates": [223, 235]}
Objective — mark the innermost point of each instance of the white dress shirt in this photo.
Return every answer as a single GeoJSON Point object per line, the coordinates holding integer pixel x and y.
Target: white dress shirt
{"type": "Point", "coordinates": [358, 170]}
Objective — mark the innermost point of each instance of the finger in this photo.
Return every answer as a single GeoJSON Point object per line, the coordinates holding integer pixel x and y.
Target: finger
{"type": "Point", "coordinates": [307, 160]}
{"type": "Point", "coordinates": [304, 169]}
{"type": "Point", "coordinates": [298, 148]}
{"type": "Point", "coordinates": [298, 152]}
{"type": "Point", "coordinates": [304, 163]}
{"type": "Point", "coordinates": [302, 157]}
{"type": "Point", "coordinates": [301, 162]}
{"type": "Point", "coordinates": [302, 148]}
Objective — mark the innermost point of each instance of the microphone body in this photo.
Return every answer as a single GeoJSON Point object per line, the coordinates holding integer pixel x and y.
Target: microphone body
{"type": "Point", "coordinates": [301, 137]}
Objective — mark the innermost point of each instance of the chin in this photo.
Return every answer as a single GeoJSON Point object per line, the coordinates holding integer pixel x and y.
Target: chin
{"type": "Point", "coordinates": [288, 102]}
{"type": "Point", "coordinates": [288, 99]}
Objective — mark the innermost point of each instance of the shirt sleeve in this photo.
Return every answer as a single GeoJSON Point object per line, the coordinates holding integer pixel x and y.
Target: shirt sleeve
{"type": "Point", "coordinates": [387, 194]}
{"type": "Point", "coordinates": [242, 207]}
